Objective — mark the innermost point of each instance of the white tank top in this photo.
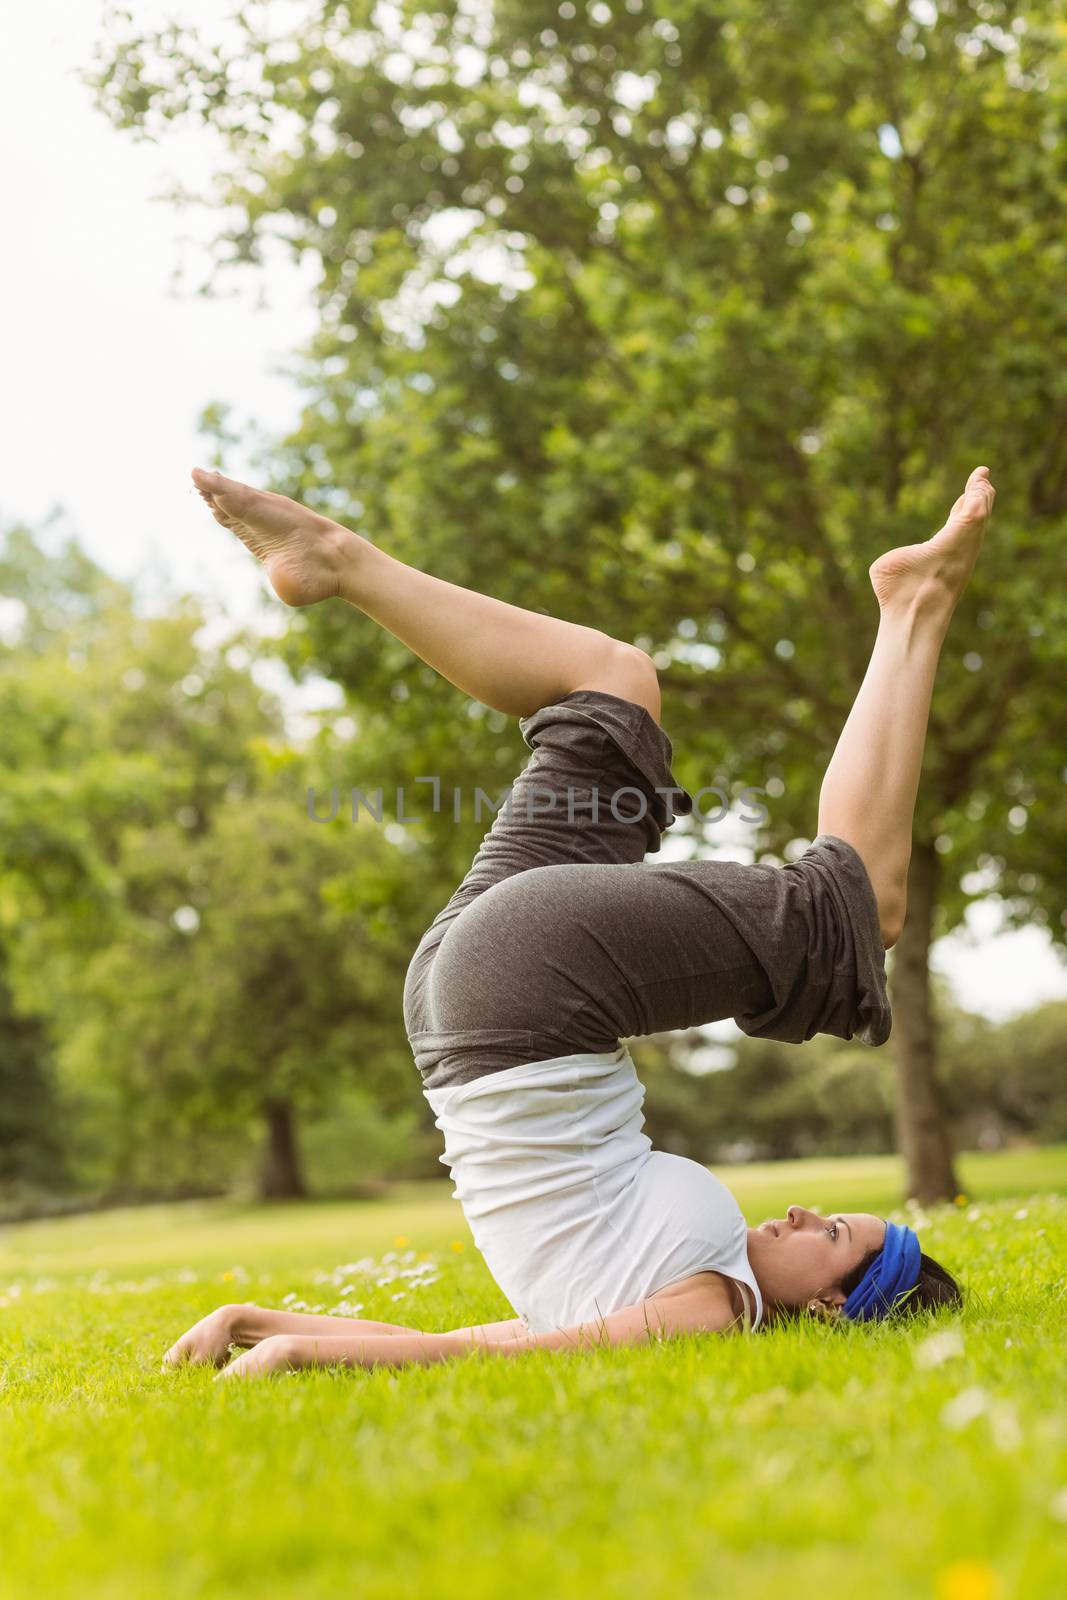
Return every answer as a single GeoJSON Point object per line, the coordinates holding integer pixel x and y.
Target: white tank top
{"type": "Point", "coordinates": [574, 1212]}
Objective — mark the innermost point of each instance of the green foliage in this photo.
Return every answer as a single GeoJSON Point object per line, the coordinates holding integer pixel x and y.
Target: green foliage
{"type": "Point", "coordinates": [776, 277]}
{"type": "Point", "coordinates": [186, 947]}
{"type": "Point", "coordinates": [1007, 1081]}
{"type": "Point", "coordinates": [779, 275]}
{"type": "Point", "coordinates": [191, 939]}
{"type": "Point", "coordinates": [238, 982]}
{"type": "Point", "coordinates": [672, 320]}
{"type": "Point", "coordinates": [31, 1151]}
{"type": "Point", "coordinates": [889, 1462]}
{"type": "Point", "coordinates": [1002, 1082]}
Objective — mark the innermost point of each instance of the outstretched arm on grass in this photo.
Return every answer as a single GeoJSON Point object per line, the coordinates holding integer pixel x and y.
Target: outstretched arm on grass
{"type": "Point", "coordinates": [209, 1341]}
{"type": "Point", "coordinates": [709, 1307]}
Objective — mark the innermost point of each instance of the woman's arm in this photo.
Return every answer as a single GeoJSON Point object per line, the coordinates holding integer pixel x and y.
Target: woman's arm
{"type": "Point", "coordinates": [209, 1340]}
{"type": "Point", "coordinates": [707, 1308]}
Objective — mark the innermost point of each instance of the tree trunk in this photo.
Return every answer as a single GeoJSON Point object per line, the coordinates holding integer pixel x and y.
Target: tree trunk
{"type": "Point", "coordinates": [922, 1130]}
{"type": "Point", "coordinates": [280, 1175]}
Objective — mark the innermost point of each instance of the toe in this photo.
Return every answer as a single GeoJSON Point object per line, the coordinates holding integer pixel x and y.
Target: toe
{"type": "Point", "coordinates": [229, 501]}
{"type": "Point", "coordinates": [214, 485]}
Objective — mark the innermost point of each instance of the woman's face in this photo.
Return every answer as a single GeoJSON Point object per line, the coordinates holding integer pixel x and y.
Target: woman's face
{"type": "Point", "coordinates": [801, 1258]}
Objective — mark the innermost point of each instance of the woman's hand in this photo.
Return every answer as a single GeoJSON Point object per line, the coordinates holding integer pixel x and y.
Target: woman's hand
{"type": "Point", "coordinates": [208, 1341]}
{"type": "Point", "coordinates": [279, 1353]}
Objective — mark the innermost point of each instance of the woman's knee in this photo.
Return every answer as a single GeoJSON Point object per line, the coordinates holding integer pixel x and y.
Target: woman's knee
{"type": "Point", "coordinates": [892, 910]}
{"type": "Point", "coordinates": [630, 673]}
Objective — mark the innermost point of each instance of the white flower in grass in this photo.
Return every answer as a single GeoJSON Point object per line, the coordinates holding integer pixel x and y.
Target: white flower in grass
{"type": "Point", "coordinates": [974, 1213]}
{"type": "Point", "coordinates": [964, 1408]}
{"type": "Point", "coordinates": [400, 1296]}
{"type": "Point", "coordinates": [1004, 1426]}
{"type": "Point", "coordinates": [937, 1349]}
{"type": "Point", "coordinates": [347, 1269]}
{"type": "Point", "coordinates": [1022, 1214]}
{"type": "Point", "coordinates": [1058, 1505]}
{"type": "Point", "coordinates": [383, 1272]}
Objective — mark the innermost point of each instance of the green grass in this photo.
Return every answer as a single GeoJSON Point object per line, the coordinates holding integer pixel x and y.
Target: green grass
{"type": "Point", "coordinates": [867, 1460]}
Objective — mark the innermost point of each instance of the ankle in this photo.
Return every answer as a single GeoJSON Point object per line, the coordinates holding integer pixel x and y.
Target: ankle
{"type": "Point", "coordinates": [345, 552]}
{"type": "Point", "coordinates": [925, 612]}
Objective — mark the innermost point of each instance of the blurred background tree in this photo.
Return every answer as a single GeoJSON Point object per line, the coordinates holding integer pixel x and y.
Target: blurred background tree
{"type": "Point", "coordinates": [684, 313]}
{"type": "Point", "coordinates": [31, 1146]}
{"type": "Point", "coordinates": [687, 311]}
{"type": "Point", "coordinates": [768, 1101]}
{"type": "Point", "coordinates": [200, 979]}
{"type": "Point", "coordinates": [182, 946]}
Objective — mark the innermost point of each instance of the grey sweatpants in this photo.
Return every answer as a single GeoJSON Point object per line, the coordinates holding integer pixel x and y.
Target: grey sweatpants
{"type": "Point", "coordinates": [562, 938]}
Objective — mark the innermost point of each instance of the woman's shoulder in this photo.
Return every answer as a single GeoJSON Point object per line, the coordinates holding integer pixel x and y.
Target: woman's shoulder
{"type": "Point", "coordinates": [712, 1294]}
{"type": "Point", "coordinates": [711, 1231]}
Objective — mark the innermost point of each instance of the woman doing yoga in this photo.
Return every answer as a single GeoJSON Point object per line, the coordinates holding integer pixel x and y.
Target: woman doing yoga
{"type": "Point", "coordinates": [562, 941]}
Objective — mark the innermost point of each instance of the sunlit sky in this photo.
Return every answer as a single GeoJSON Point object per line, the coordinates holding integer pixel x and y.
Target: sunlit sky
{"type": "Point", "coordinates": [106, 370]}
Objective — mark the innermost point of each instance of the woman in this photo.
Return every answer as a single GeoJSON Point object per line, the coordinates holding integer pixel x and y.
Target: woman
{"type": "Point", "coordinates": [561, 941]}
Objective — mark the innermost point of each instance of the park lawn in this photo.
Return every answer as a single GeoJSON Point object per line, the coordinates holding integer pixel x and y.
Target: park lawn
{"type": "Point", "coordinates": [929, 1460]}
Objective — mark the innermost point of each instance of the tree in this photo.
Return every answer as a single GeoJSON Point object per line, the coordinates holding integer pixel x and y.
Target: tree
{"type": "Point", "coordinates": [775, 277]}
{"type": "Point", "coordinates": [171, 915]}
{"type": "Point", "coordinates": [245, 989]}
{"type": "Point", "coordinates": [31, 1154]}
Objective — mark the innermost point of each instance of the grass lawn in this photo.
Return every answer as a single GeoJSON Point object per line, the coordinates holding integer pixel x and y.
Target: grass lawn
{"type": "Point", "coordinates": [924, 1461]}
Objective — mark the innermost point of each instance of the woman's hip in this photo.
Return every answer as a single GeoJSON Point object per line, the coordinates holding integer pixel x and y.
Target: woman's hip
{"type": "Point", "coordinates": [575, 957]}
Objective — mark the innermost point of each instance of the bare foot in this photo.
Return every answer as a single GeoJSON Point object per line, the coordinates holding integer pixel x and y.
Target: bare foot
{"type": "Point", "coordinates": [303, 552]}
{"type": "Point", "coordinates": [939, 568]}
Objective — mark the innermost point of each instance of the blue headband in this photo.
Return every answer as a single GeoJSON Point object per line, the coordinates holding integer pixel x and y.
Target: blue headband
{"type": "Point", "coordinates": [894, 1270]}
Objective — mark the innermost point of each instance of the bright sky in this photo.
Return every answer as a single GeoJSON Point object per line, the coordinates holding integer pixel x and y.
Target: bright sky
{"type": "Point", "coordinates": [106, 371]}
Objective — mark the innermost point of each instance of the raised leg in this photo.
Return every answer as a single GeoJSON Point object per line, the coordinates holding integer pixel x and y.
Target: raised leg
{"type": "Point", "coordinates": [870, 787]}
{"type": "Point", "coordinates": [517, 660]}
{"type": "Point", "coordinates": [502, 655]}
